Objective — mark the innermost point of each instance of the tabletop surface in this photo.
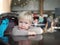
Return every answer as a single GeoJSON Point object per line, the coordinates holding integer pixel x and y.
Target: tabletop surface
{"type": "Point", "coordinates": [44, 39]}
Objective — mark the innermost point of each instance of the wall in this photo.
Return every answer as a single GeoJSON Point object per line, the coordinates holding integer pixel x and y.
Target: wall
{"type": "Point", "coordinates": [34, 5]}
{"type": "Point", "coordinates": [51, 4]}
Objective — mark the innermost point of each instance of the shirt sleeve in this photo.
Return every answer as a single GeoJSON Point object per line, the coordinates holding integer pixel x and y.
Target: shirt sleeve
{"type": "Point", "coordinates": [37, 30]}
{"type": "Point", "coordinates": [17, 32]}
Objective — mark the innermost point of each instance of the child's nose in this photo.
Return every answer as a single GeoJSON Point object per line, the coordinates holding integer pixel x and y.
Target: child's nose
{"type": "Point", "coordinates": [23, 24]}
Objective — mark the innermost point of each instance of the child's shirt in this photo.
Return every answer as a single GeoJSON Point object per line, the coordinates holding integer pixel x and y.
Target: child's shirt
{"type": "Point", "coordinates": [18, 32]}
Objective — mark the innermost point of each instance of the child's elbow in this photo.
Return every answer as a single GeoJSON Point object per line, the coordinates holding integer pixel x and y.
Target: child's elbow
{"type": "Point", "coordinates": [41, 32]}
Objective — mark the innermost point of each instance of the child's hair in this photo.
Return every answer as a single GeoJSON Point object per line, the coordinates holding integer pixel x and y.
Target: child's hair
{"type": "Point", "coordinates": [26, 15]}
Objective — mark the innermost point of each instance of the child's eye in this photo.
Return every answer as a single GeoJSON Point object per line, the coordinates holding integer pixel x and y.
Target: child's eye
{"type": "Point", "coordinates": [25, 22]}
{"type": "Point", "coordinates": [20, 22]}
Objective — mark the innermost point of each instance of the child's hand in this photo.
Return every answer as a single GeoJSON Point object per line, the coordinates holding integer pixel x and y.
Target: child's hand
{"type": "Point", "coordinates": [31, 33]}
{"type": "Point", "coordinates": [31, 37]}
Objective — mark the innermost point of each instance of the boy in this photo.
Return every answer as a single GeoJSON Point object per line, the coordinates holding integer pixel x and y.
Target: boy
{"type": "Point", "coordinates": [24, 27]}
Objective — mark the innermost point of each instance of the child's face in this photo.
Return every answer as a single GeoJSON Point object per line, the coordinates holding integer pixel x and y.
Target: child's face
{"type": "Point", "coordinates": [24, 24]}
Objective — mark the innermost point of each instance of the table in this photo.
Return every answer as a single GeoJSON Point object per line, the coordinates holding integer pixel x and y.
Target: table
{"type": "Point", "coordinates": [44, 39]}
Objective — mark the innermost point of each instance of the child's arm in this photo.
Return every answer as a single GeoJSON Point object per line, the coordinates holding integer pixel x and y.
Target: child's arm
{"type": "Point", "coordinates": [31, 33]}
{"type": "Point", "coordinates": [36, 30]}
{"type": "Point", "coordinates": [17, 32]}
